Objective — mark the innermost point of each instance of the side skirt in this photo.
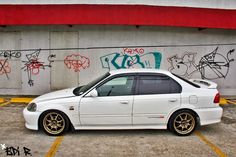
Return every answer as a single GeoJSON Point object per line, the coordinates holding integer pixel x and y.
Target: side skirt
{"type": "Point", "coordinates": [120, 127]}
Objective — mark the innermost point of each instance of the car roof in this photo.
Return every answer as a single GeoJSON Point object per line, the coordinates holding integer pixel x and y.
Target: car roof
{"type": "Point", "coordinates": [124, 71]}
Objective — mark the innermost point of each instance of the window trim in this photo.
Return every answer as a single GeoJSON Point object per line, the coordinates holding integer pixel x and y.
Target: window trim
{"type": "Point", "coordinates": [186, 81]}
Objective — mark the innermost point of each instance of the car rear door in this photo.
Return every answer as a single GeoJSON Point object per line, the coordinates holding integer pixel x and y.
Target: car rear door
{"type": "Point", "coordinates": [156, 96]}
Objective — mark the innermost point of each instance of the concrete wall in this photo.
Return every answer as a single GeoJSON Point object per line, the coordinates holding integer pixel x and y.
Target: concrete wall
{"type": "Point", "coordinates": [224, 4]}
{"type": "Point", "coordinates": [50, 58]}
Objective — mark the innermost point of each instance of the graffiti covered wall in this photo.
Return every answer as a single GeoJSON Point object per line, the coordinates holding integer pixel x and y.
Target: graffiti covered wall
{"type": "Point", "coordinates": [45, 67]}
{"type": "Point", "coordinates": [215, 65]}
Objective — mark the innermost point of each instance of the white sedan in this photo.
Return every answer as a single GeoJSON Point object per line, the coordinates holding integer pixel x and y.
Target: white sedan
{"type": "Point", "coordinates": [128, 99]}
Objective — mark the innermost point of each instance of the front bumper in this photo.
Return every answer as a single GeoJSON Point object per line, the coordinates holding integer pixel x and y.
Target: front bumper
{"type": "Point", "coordinates": [209, 115]}
{"type": "Point", "coordinates": [31, 119]}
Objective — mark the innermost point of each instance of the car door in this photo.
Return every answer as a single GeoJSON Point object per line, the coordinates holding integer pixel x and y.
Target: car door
{"type": "Point", "coordinates": [157, 95]}
{"type": "Point", "coordinates": [112, 106]}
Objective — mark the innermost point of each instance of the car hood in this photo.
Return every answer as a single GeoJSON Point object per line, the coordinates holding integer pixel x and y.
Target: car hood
{"type": "Point", "coordinates": [65, 93]}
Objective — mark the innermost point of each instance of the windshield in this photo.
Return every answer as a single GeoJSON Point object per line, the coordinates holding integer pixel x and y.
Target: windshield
{"type": "Point", "coordinates": [81, 89]}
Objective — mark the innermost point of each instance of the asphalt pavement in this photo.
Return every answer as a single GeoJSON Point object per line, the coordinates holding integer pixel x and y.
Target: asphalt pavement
{"type": "Point", "coordinates": [213, 140]}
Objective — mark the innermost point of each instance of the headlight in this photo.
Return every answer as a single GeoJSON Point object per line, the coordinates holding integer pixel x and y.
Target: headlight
{"type": "Point", "coordinates": [32, 107]}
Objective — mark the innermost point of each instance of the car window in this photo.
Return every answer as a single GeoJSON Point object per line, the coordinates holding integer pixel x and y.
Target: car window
{"type": "Point", "coordinates": [157, 84]}
{"type": "Point", "coordinates": [117, 86]}
{"type": "Point", "coordinates": [82, 89]}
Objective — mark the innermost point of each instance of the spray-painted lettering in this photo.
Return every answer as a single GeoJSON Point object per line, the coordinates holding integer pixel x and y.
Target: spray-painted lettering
{"type": "Point", "coordinates": [131, 59]}
{"type": "Point", "coordinates": [76, 62]}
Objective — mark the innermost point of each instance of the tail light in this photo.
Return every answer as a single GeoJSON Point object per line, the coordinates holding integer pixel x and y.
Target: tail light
{"type": "Point", "coordinates": [217, 98]}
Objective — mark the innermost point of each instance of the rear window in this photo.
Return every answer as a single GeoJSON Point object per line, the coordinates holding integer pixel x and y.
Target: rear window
{"type": "Point", "coordinates": [187, 81]}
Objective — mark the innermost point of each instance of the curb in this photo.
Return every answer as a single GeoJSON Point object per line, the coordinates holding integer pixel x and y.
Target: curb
{"type": "Point", "coordinates": [16, 100]}
{"type": "Point", "coordinates": [2, 100]}
{"type": "Point", "coordinates": [224, 101]}
{"type": "Point", "coordinates": [21, 100]}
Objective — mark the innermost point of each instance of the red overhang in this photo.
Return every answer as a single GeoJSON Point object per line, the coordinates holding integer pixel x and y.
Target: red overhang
{"type": "Point", "coordinates": [116, 15]}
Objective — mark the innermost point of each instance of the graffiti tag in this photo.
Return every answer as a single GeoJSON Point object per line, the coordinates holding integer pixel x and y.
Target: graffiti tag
{"type": "Point", "coordinates": [211, 66]}
{"type": "Point", "coordinates": [133, 51]}
{"type": "Point", "coordinates": [5, 68]}
{"type": "Point", "coordinates": [33, 65]}
{"type": "Point", "coordinates": [214, 65]}
{"type": "Point", "coordinates": [10, 54]}
{"type": "Point", "coordinates": [76, 62]}
{"type": "Point", "coordinates": [136, 59]}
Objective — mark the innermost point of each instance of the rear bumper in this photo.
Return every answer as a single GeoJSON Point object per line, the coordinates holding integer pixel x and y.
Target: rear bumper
{"type": "Point", "coordinates": [209, 115]}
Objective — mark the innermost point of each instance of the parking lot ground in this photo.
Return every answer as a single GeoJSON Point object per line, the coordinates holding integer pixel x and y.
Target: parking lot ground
{"type": "Point", "coordinates": [213, 140]}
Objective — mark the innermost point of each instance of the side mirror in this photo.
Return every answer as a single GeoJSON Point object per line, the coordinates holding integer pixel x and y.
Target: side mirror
{"type": "Point", "coordinates": [92, 93]}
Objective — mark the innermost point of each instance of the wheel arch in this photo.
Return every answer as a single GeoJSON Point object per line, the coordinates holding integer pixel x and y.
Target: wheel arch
{"type": "Point", "coordinates": [184, 109]}
{"type": "Point", "coordinates": [71, 127]}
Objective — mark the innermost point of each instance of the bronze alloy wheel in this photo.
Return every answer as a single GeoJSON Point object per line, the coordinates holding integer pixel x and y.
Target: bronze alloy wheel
{"type": "Point", "coordinates": [54, 123]}
{"type": "Point", "coordinates": [184, 123]}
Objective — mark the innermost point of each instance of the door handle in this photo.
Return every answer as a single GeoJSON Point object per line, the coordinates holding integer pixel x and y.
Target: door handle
{"type": "Point", "coordinates": [172, 100]}
{"type": "Point", "coordinates": [124, 102]}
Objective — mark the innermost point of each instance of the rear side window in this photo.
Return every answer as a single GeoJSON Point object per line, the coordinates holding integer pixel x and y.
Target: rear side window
{"type": "Point", "coordinates": [157, 84]}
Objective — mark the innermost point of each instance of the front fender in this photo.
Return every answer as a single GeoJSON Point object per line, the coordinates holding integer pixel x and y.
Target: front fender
{"type": "Point", "coordinates": [67, 106]}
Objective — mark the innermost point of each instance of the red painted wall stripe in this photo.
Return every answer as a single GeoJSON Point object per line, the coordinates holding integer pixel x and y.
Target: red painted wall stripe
{"type": "Point", "coordinates": [116, 15]}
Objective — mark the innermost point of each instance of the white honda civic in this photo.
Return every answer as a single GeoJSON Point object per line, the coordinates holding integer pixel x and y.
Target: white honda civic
{"type": "Point", "coordinates": [128, 99]}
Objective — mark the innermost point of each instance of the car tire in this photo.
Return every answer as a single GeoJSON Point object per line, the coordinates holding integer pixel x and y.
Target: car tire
{"type": "Point", "coordinates": [54, 123]}
{"type": "Point", "coordinates": [182, 122]}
